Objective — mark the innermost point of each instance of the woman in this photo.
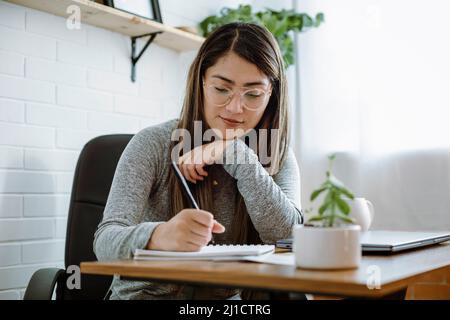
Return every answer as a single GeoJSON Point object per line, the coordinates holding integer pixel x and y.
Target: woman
{"type": "Point", "coordinates": [237, 81]}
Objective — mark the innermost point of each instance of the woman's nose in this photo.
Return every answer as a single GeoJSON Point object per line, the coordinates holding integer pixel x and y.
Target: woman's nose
{"type": "Point", "coordinates": [235, 105]}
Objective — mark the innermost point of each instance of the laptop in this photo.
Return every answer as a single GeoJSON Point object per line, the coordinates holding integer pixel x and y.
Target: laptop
{"type": "Point", "coordinates": [390, 241]}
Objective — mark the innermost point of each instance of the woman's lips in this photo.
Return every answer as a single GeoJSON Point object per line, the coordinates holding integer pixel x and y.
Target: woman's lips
{"type": "Point", "coordinates": [230, 122]}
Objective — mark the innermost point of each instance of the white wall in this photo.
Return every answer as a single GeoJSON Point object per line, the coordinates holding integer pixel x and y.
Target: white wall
{"type": "Point", "coordinates": [59, 89]}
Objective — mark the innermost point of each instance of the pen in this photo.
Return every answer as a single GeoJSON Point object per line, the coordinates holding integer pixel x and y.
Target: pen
{"type": "Point", "coordinates": [188, 191]}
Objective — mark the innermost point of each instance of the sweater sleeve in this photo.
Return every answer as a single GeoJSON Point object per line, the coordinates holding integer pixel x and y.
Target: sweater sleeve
{"type": "Point", "coordinates": [122, 231]}
{"type": "Point", "coordinates": [273, 203]}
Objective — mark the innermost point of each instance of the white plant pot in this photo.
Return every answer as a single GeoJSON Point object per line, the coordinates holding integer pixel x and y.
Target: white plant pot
{"type": "Point", "coordinates": [327, 248]}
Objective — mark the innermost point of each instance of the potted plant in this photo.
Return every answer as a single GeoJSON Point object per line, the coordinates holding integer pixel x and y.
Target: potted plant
{"type": "Point", "coordinates": [330, 239]}
{"type": "Point", "coordinates": [280, 23]}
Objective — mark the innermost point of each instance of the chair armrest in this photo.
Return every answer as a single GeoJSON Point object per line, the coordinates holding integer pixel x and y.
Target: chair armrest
{"type": "Point", "coordinates": [43, 282]}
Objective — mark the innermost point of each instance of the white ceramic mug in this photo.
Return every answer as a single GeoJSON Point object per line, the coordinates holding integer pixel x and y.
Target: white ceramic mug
{"type": "Point", "coordinates": [362, 212]}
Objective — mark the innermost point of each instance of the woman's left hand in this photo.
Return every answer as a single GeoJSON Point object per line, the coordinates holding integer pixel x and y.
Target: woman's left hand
{"type": "Point", "coordinates": [192, 163]}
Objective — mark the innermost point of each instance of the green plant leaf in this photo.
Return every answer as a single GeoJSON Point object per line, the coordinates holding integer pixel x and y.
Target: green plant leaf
{"type": "Point", "coordinates": [317, 218]}
{"type": "Point", "coordinates": [325, 206]}
{"type": "Point", "coordinates": [345, 218]}
{"type": "Point", "coordinates": [320, 18]}
{"type": "Point", "coordinates": [347, 193]}
{"type": "Point", "coordinates": [336, 182]}
{"type": "Point", "coordinates": [307, 20]}
{"type": "Point", "coordinates": [295, 22]}
{"type": "Point", "coordinates": [281, 27]}
{"type": "Point", "coordinates": [342, 205]}
{"type": "Point", "coordinates": [246, 10]}
{"type": "Point", "coordinates": [206, 24]}
{"type": "Point", "coordinates": [327, 201]}
{"type": "Point", "coordinates": [316, 193]}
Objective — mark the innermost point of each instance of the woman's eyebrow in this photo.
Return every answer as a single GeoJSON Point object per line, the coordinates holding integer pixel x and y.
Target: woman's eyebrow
{"type": "Point", "coordinates": [255, 83]}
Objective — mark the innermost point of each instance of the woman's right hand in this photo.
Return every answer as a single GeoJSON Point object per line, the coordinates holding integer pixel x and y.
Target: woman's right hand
{"type": "Point", "coordinates": [189, 230]}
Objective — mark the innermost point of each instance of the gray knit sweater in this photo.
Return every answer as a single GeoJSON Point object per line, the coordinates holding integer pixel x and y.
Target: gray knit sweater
{"type": "Point", "coordinates": [139, 200]}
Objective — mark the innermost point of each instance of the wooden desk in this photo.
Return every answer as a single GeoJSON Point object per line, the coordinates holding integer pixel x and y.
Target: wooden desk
{"type": "Point", "coordinates": [396, 273]}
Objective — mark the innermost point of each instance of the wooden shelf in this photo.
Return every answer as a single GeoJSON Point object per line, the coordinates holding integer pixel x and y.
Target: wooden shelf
{"type": "Point", "coordinates": [116, 20]}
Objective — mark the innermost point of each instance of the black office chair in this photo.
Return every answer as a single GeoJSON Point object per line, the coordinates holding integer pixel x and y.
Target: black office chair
{"type": "Point", "coordinates": [91, 184]}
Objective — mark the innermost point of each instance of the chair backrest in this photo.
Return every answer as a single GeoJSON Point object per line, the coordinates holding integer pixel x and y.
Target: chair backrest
{"type": "Point", "coordinates": [91, 185]}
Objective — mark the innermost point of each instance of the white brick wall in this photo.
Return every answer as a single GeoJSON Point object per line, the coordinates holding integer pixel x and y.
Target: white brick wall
{"type": "Point", "coordinates": [60, 88]}
{"type": "Point", "coordinates": [11, 110]}
{"type": "Point", "coordinates": [51, 159]}
{"type": "Point", "coordinates": [54, 71]}
{"type": "Point", "coordinates": [12, 64]}
{"type": "Point", "coordinates": [45, 205]}
{"type": "Point", "coordinates": [9, 255]}
{"type": "Point", "coordinates": [12, 16]}
{"type": "Point", "coordinates": [23, 229]}
{"type": "Point", "coordinates": [84, 98]}
{"type": "Point", "coordinates": [20, 88]}
{"type": "Point", "coordinates": [11, 157]}
{"type": "Point", "coordinates": [11, 206]}
{"type": "Point", "coordinates": [43, 251]}
{"type": "Point", "coordinates": [84, 56]}
{"type": "Point", "coordinates": [54, 116]}
{"type": "Point", "coordinates": [26, 135]}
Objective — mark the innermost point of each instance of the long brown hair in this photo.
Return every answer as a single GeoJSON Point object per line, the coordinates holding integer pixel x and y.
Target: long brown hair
{"type": "Point", "coordinates": [257, 45]}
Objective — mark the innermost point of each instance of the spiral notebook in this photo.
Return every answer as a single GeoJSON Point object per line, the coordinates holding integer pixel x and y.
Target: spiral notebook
{"type": "Point", "coordinates": [210, 252]}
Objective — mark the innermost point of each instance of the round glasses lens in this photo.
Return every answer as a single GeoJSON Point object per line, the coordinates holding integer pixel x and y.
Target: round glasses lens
{"type": "Point", "coordinates": [254, 99]}
{"type": "Point", "coordinates": [218, 95]}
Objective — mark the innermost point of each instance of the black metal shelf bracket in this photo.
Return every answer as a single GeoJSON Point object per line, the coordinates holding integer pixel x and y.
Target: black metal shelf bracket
{"type": "Point", "coordinates": [135, 58]}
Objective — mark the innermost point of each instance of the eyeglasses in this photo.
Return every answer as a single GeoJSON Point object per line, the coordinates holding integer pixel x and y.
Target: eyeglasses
{"type": "Point", "coordinates": [252, 98]}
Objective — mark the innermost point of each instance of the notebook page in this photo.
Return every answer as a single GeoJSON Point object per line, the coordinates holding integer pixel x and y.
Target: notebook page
{"type": "Point", "coordinates": [210, 251]}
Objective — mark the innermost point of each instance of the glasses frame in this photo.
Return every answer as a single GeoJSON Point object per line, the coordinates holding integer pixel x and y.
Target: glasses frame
{"type": "Point", "coordinates": [241, 93]}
